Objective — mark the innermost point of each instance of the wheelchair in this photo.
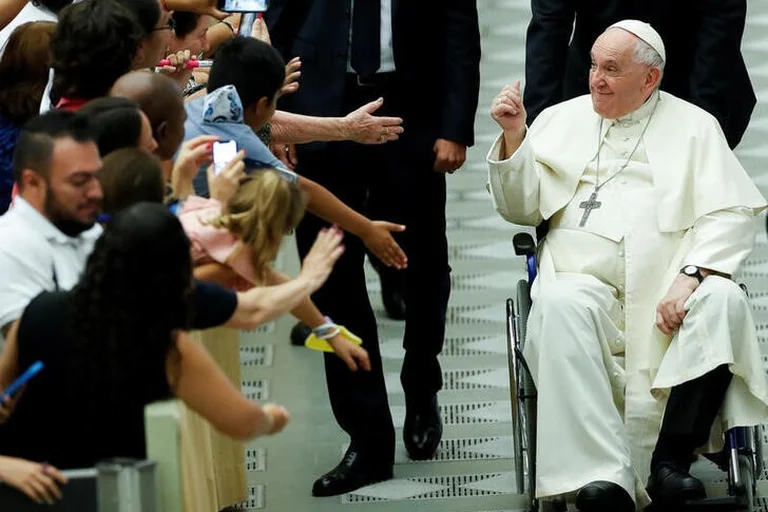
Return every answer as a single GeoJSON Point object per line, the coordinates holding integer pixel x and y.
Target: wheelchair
{"type": "Point", "coordinates": [741, 459]}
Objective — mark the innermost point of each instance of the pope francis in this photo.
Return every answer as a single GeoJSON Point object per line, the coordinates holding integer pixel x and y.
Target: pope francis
{"type": "Point", "coordinates": [641, 346]}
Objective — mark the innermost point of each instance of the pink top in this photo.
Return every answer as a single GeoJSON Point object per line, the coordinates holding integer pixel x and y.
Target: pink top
{"type": "Point", "coordinates": [211, 244]}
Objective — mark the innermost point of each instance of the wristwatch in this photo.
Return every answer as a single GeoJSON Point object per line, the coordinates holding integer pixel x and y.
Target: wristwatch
{"type": "Point", "coordinates": [692, 271]}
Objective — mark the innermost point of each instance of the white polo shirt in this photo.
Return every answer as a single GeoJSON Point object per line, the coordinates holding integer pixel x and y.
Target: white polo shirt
{"type": "Point", "coordinates": [35, 257]}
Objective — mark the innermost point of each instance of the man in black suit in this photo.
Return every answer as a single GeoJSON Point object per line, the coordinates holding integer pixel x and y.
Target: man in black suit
{"type": "Point", "coordinates": [703, 40]}
{"type": "Point", "coordinates": [423, 58]}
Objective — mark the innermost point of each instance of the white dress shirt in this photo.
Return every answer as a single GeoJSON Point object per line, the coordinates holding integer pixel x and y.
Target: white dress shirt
{"type": "Point", "coordinates": [35, 257]}
{"type": "Point", "coordinates": [387, 55]}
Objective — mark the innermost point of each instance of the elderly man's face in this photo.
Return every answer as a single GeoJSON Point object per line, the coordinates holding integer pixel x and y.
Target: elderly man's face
{"type": "Point", "coordinates": [618, 83]}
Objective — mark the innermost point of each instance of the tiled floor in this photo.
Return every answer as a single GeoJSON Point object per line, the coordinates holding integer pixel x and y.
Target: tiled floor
{"type": "Point", "coordinates": [473, 470]}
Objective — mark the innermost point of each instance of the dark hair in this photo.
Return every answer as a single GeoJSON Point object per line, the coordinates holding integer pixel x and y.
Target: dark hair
{"type": "Point", "coordinates": [24, 70]}
{"type": "Point", "coordinates": [128, 177]}
{"type": "Point", "coordinates": [132, 298]}
{"type": "Point", "coordinates": [185, 23]}
{"type": "Point", "coordinates": [255, 69]}
{"type": "Point", "coordinates": [53, 5]}
{"type": "Point", "coordinates": [146, 12]}
{"type": "Point", "coordinates": [34, 149]}
{"type": "Point", "coordinates": [116, 123]}
{"type": "Point", "coordinates": [95, 43]}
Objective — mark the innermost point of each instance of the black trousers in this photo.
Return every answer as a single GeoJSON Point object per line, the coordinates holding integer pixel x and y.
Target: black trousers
{"type": "Point", "coordinates": [397, 178]}
{"type": "Point", "coordinates": [688, 417]}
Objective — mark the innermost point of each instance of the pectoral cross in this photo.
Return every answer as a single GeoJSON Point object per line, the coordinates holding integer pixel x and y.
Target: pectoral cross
{"type": "Point", "coordinates": [591, 204]}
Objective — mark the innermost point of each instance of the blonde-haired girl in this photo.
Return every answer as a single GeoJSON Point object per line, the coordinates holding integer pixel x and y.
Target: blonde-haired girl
{"type": "Point", "coordinates": [235, 244]}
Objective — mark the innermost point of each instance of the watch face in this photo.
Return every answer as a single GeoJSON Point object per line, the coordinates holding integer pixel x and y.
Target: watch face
{"type": "Point", "coordinates": [690, 270]}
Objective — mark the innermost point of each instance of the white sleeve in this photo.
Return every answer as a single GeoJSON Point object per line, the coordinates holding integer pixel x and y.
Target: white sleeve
{"type": "Point", "coordinates": [45, 103]}
{"type": "Point", "coordinates": [722, 240]}
{"type": "Point", "coordinates": [514, 183]}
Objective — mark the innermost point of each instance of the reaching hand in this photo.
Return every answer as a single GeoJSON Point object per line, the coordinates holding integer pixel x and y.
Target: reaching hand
{"type": "Point", "coordinates": [193, 154]}
{"type": "Point", "coordinates": [508, 110]}
{"type": "Point", "coordinates": [286, 153]}
{"type": "Point", "coordinates": [449, 155]}
{"type": "Point", "coordinates": [38, 481]}
{"type": "Point", "coordinates": [177, 69]}
{"type": "Point", "coordinates": [671, 310]}
{"type": "Point", "coordinates": [378, 239]}
{"type": "Point", "coordinates": [365, 128]}
{"type": "Point", "coordinates": [351, 353]}
{"type": "Point", "coordinates": [292, 75]}
{"type": "Point", "coordinates": [224, 185]}
{"type": "Point", "coordinates": [320, 260]}
{"type": "Point", "coordinates": [279, 416]}
{"type": "Point", "coordinates": [260, 31]}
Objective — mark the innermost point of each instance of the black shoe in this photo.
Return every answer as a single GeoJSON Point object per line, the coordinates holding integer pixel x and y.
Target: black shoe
{"type": "Point", "coordinates": [423, 429]}
{"type": "Point", "coordinates": [669, 484]}
{"type": "Point", "coordinates": [602, 496]}
{"type": "Point", "coordinates": [393, 293]}
{"type": "Point", "coordinates": [300, 333]}
{"type": "Point", "coordinates": [350, 474]}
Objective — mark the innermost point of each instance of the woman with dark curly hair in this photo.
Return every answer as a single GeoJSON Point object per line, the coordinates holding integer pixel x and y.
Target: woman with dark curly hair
{"type": "Point", "coordinates": [23, 76]}
{"type": "Point", "coordinates": [114, 344]}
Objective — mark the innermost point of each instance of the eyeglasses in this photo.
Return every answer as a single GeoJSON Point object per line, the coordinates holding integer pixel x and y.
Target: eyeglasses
{"type": "Point", "coordinates": [171, 25]}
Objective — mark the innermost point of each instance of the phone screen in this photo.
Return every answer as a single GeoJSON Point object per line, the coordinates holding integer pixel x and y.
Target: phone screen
{"type": "Point", "coordinates": [242, 5]}
{"type": "Point", "coordinates": [223, 153]}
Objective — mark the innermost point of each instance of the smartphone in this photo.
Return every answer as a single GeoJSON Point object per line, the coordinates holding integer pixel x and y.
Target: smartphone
{"type": "Point", "coordinates": [23, 379]}
{"type": "Point", "coordinates": [242, 5]}
{"type": "Point", "coordinates": [223, 153]}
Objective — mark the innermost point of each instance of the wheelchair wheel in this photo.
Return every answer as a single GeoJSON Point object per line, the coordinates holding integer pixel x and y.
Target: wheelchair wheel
{"type": "Point", "coordinates": [758, 452]}
{"type": "Point", "coordinates": [749, 482]}
{"type": "Point", "coordinates": [528, 391]}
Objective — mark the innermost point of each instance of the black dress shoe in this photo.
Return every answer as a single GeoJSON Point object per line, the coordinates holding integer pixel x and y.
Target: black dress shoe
{"type": "Point", "coordinates": [669, 484]}
{"type": "Point", "coordinates": [300, 333]}
{"type": "Point", "coordinates": [602, 496]}
{"type": "Point", "coordinates": [351, 473]}
{"type": "Point", "coordinates": [393, 293]}
{"type": "Point", "coordinates": [423, 429]}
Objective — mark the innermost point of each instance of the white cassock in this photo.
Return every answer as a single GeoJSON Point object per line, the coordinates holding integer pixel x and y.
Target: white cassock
{"type": "Point", "coordinates": [683, 199]}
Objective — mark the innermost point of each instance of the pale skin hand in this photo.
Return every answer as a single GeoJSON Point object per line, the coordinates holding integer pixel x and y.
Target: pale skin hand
{"type": "Point", "coordinates": [292, 75]}
{"type": "Point", "coordinates": [286, 153]}
{"type": "Point", "coordinates": [508, 111]}
{"type": "Point", "coordinates": [378, 239]}
{"type": "Point", "coordinates": [354, 355]}
{"type": "Point", "coordinates": [39, 482]}
{"type": "Point", "coordinates": [670, 311]}
{"type": "Point", "coordinates": [260, 31]}
{"type": "Point", "coordinates": [193, 154]}
{"type": "Point", "coordinates": [319, 262]}
{"type": "Point", "coordinates": [449, 155]}
{"type": "Point", "coordinates": [177, 70]}
{"type": "Point", "coordinates": [363, 127]}
{"type": "Point", "coordinates": [224, 185]}
{"type": "Point", "coordinates": [278, 416]}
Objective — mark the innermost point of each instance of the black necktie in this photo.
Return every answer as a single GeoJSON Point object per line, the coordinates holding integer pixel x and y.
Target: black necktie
{"type": "Point", "coordinates": [366, 38]}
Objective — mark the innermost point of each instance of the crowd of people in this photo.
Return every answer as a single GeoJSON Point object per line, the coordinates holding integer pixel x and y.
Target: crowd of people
{"type": "Point", "coordinates": [119, 234]}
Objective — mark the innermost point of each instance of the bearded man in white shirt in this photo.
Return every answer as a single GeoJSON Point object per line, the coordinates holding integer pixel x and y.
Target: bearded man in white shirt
{"type": "Point", "coordinates": [637, 337]}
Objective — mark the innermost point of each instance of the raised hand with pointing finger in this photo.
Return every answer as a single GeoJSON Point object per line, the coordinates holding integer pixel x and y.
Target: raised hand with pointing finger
{"type": "Point", "coordinates": [509, 112]}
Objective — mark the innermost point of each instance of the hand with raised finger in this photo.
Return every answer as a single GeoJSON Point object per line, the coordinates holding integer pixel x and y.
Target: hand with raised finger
{"type": "Point", "coordinates": [365, 128]}
{"type": "Point", "coordinates": [224, 185]}
{"type": "Point", "coordinates": [379, 240]}
{"type": "Point", "coordinates": [351, 353]}
{"type": "Point", "coordinates": [449, 155]}
{"type": "Point", "coordinates": [508, 110]}
{"type": "Point", "coordinates": [670, 311]}
{"type": "Point", "coordinates": [40, 482]}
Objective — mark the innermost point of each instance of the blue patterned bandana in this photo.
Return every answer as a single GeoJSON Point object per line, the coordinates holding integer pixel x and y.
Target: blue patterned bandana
{"type": "Point", "coordinates": [223, 106]}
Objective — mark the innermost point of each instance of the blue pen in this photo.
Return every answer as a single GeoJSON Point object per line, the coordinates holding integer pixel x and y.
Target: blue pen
{"type": "Point", "coordinates": [25, 377]}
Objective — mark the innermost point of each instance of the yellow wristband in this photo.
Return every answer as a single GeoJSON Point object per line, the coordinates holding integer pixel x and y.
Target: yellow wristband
{"type": "Point", "coordinates": [316, 343]}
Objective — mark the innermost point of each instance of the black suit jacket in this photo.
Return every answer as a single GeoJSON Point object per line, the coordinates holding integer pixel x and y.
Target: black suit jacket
{"type": "Point", "coordinates": [436, 46]}
{"type": "Point", "coordinates": [702, 39]}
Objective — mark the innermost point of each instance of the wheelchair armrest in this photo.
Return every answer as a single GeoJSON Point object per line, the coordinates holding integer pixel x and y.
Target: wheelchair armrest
{"type": "Point", "coordinates": [524, 244]}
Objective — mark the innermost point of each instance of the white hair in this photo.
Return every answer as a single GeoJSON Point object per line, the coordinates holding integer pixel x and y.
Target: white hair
{"type": "Point", "coordinates": [645, 54]}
